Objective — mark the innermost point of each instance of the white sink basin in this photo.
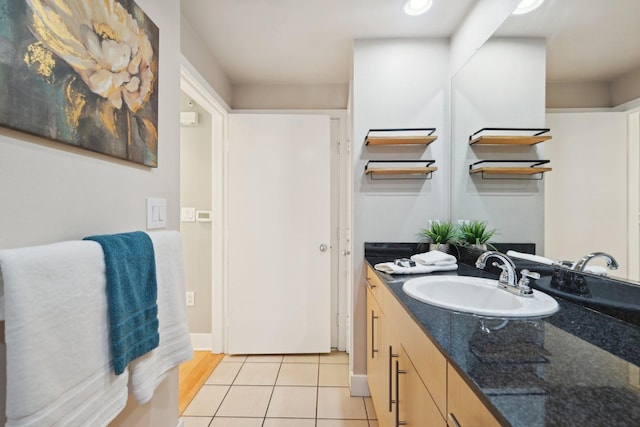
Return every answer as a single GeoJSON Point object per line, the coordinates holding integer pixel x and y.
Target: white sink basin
{"type": "Point", "coordinates": [478, 296]}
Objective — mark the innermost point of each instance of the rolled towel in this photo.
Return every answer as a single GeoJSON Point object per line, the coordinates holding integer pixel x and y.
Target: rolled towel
{"type": "Point", "coordinates": [530, 257]}
{"type": "Point", "coordinates": [434, 258]}
{"type": "Point", "coordinates": [392, 268]}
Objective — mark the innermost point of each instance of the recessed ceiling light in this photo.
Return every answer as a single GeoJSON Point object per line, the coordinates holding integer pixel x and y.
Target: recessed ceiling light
{"type": "Point", "coordinates": [527, 6]}
{"type": "Point", "coordinates": [417, 7]}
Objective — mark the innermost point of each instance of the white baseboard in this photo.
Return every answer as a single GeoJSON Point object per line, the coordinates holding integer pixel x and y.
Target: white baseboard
{"type": "Point", "coordinates": [201, 342]}
{"type": "Point", "coordinates": [180, 423]}
{"type": "Point", "coordinates": [358, 385]}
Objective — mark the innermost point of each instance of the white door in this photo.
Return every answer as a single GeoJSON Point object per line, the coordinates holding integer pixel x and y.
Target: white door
{"type": "Point", "coordinates": [278, 297]}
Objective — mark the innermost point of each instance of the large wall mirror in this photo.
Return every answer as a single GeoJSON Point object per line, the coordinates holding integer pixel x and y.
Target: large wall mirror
{"type": "Point", "coordinates": [574, 67]}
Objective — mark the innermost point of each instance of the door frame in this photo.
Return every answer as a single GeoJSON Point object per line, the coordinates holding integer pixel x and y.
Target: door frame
{"type": "Point", "coordinates": [194, 85]}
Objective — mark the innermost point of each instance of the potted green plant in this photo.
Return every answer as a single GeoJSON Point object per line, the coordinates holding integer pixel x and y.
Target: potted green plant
{"type": "Point", "coordinates": [476, 234]}
{"type": "Point", "coordinates": [440, 235]}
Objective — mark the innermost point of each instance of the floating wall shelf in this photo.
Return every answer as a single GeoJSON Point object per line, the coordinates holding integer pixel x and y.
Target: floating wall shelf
{"type": "Point", "coordinates": [509, 169]}
{"type": "Point", "coordinates": [509, 136]}
{"type": "Point", "coordinates": [407, 136]}
{"type": "Point", "coordinates": [400, 169]}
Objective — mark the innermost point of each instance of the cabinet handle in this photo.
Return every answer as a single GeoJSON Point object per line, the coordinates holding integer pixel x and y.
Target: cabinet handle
{"type": "Point", "coordinates": [398, 372]}
{"type": "Point", "coordinates": [373, 334]}
{"type": "Point", "coordinates": [369, 284]}
{"type": "Point", "coordinates": [454, 422]}
{"type": "Point", "coordinates": [391, 356]}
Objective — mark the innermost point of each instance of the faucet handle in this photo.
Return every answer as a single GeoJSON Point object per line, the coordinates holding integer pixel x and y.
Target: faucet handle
{"type": "Point", "coordinates": [523, 283]}
{"type": "Point", "coordinates": [504, 275]}
{"type": "Point", "coordinates": [529, 274]}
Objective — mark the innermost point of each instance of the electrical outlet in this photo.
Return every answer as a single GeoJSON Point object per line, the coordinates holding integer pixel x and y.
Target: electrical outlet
{"type": "Point", "coordinates": [191, 298]}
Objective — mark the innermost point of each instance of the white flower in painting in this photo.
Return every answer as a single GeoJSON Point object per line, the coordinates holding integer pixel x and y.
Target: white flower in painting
{"type": "Point", "coordinates": [102, 42]}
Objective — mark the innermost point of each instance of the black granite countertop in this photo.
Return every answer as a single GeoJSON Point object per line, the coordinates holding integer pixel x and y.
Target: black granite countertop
{"type": "Point", "coordinates": [577, 367]}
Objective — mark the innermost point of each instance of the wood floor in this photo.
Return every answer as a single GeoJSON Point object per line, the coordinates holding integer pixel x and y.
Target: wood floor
{"type": "Point", "coordinates": [193, 374]}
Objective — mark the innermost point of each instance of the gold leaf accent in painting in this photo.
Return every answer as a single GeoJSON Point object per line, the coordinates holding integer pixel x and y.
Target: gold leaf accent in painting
{"type": "Point", "coordinates": [40, 59]}
{"type": "Point", "coordinates": [105, 31]}
{"type": "Point", "coordinates": [149, 133]}
{"type": "Point", "coordinates": [107, 113]}
{"type": "Point", "coordinates": [75, 103]}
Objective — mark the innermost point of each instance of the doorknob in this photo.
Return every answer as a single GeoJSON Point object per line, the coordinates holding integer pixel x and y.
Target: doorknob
{"type": "Point", "coordinates": [323, 248]}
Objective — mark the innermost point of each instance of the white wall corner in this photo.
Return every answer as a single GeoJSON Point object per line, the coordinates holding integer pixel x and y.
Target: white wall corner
{"type": "Point", "coordinates": [201, 342]}
{"type": "Point", "coordinates": [480, 24]}
{"type": "Point", "coordinates": [180, 423]}
{"type": "Point", "coordinates": [358, 385]}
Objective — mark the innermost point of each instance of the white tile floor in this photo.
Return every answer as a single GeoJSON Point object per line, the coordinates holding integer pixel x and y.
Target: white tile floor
{"type": "Point", "coordinates": [280, 391]}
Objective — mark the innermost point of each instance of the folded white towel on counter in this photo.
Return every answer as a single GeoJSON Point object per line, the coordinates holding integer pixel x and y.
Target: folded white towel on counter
{"type": "Point", "coordinates": [434, 258]}
{"type": "Point", "coordinates": [148, 371]}
{"type": "Point", "coordinates": [56, 332]}
{"type": "Point", "coordinates": [530, 257]}
{"type": "Point", "coordinates": [392, 268]}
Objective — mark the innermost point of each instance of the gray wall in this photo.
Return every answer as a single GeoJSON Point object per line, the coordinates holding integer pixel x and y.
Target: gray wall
{"type": "Point", "coordinates": [397, 84]}
{"type": "Point", "coordinates": [501, 86]}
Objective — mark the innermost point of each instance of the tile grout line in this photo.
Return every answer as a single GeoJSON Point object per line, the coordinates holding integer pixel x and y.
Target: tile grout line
{"type": "Point", "coordinates": [228, 390]}
{"type": "Point", "coordinates": [273, 389]}
{"type": "Point", "coordinates": [317, 391]}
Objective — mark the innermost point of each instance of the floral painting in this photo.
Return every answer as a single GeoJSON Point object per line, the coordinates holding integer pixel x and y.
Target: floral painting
{"type": "Point", "coordinates": [82, 72]}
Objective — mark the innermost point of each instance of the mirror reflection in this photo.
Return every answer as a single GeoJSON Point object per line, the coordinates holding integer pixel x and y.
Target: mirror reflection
{"type": "Point", "coordinates": [576, 70]}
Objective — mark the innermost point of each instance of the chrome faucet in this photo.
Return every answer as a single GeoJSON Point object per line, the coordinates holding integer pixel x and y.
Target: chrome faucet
{"type": "Point", "coordinates": [580, 265]}
{"type": "Point", "coordinates": [508, 277]}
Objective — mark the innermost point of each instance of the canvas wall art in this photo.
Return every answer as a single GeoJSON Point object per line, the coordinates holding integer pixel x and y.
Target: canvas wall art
{"type": "Point", "coordinates": [81, 72]}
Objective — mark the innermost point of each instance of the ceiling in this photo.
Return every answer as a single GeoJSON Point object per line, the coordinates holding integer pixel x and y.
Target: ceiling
{"type": "Point", "coordinates": [305, 41]}
{"type": "Point", "coordinates": [587, 40]}
{"type": "Point", "coordinates": [310, 42]}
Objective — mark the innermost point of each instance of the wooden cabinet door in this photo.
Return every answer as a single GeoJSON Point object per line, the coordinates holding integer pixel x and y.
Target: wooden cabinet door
{"type": "Point", "coordinates": [377, 331]}
{"type": "Point", "coordinates": [464, 408]}
{"type": "Point", "coordinates": [414, 405]}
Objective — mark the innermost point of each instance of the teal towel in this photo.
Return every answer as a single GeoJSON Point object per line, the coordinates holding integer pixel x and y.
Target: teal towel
{"type": "Point", "coordinates": [132, 292]}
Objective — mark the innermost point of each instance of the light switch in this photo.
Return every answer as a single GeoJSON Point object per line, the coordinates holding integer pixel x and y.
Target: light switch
{"type": "Point", "coordinates": [188, 214]}
{"type": "Point", "coordinates": [156, 213]}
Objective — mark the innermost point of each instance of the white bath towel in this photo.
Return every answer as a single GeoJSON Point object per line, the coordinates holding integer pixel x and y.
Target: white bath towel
{"type": "Point", "coordinates": [530, 257]}
{"type": "Point", "coordinates": [434, 258]}
{"type": "Point", "coordinates": [148, 371]}
{"type": "Point", "coordinates": [392, 268]}
{"type": "Point", "coordinates": [58, 362]}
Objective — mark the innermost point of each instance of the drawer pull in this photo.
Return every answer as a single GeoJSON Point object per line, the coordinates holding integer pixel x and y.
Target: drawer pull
{"type": "Point", "coordinates": [452, 419]}
{"type": "Point", "coordinates": [398, 372]}
{"type": "Point", "coordinates": [373, 334]}
{"type": "Point", "coordinates": [391, 356]}
{"type": "Point", "coordinates": [369, 284]}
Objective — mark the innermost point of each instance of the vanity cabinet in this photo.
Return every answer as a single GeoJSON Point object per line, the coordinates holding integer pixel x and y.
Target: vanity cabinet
{"type": "Point", "coordinates": [410, 380]}
{"type": "Point", "coordinates": [464, 407]}
{"type": "Point", "coordinates": [396, 381]}
{"type": "Point", "coordinates": [414, 405]}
